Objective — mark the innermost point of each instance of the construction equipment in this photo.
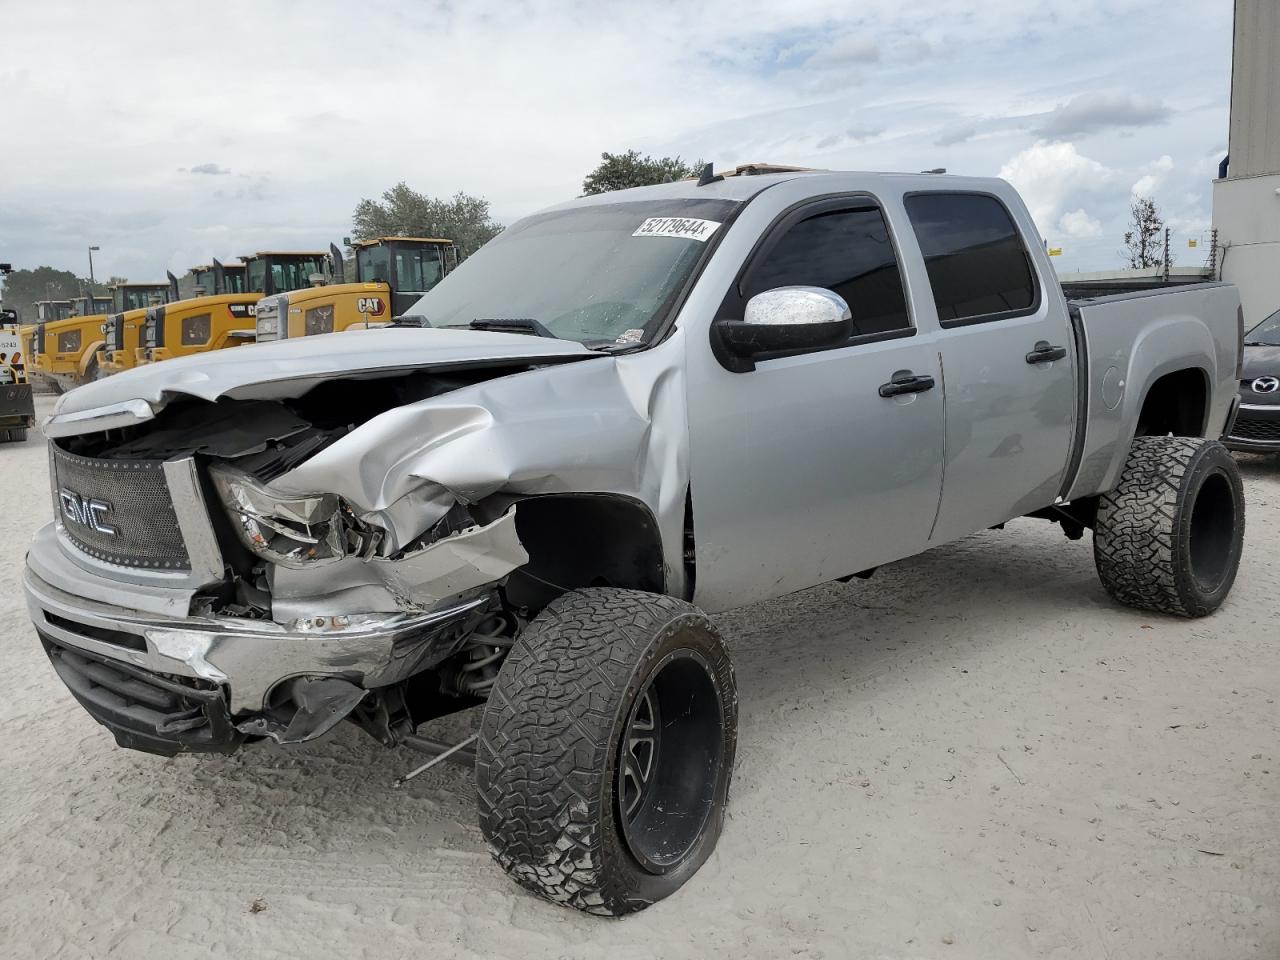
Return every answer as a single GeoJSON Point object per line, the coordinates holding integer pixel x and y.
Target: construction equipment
{"type": "Point", "coordinates": [207, 289]}
{"type": "Point", "coordinates": [68, 352]}
{"type": "Point", "coordinates": [208, 279]}
{"type": "Point", "coordinates": [17, 409]}
{"type": "Point", "coordinates": [85, 306]}
{"type": "Point", "coordinates": [391, 273]}
{"type": "Point", "coordinates": [49, 310]}
{"type": "Point", "coordinates": [224, 319]}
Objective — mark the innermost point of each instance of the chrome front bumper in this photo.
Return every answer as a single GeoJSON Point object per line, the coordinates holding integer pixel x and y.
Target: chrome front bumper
{"type": "Point", "coordinates": [249, 658]}
{"type": "Point", "coordinates": [165, 682]}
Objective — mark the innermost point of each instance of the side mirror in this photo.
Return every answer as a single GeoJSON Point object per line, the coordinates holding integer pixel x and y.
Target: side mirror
{"type": "Point", "coordinates": [781, 321]}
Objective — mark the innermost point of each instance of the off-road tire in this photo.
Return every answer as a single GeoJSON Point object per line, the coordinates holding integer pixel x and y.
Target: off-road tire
{"type": "Point", "coordinates": [1170, 534]}
{"type": "Point", "coordinates": [549, 747]}
{"type": "Point", "coordinates": [16, 434]}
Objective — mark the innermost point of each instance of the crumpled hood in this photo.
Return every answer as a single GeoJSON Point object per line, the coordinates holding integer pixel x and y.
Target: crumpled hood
{"type": "Point", "coordinates": [289, 368]}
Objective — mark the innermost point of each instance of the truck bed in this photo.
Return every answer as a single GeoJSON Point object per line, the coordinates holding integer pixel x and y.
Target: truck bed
{"type": "Point", "coordinates": [1134, 338]}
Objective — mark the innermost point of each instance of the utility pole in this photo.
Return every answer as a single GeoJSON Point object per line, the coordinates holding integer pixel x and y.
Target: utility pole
{"type": "Point", "coordinates": [1166, 254]}
{"type": "Point", "coordinates": [91, 281]}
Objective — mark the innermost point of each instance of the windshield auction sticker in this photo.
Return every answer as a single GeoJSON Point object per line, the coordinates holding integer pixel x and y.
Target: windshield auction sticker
{"type": "Point", "coordinates": [683, 227]}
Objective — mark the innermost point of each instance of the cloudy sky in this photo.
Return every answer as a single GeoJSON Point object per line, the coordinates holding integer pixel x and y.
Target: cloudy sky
{"type": "Point", "coordinates": [169, 133]}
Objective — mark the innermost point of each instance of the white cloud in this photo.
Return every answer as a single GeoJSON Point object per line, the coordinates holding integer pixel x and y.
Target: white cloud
{"type": "Point", "coordinates": [1047, 174]}
{"type": "Point", "coordinates": [1079, 224]}
{"type": "Point", "coordinates": [894, 85]}
{"type": "Point", "coordinates": [1093, 112]}
{"type": "Point", "coordinates": [854, 48]}
{"type": "Point", "coordinates": [1154, 178]}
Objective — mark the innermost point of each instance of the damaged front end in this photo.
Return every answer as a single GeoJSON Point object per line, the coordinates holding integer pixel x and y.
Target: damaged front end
{"type": "Point", "coordinates": [363, 547]}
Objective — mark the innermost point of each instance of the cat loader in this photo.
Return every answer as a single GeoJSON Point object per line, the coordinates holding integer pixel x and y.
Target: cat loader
{"type": "Point", "coordinates": [225, 319]}
{"type": "Point", "coordinates": [69, 352]}
{"type": "Point", "coordinates": [208, 288]}
{"type": "Point", "coordinates": [391, 273]}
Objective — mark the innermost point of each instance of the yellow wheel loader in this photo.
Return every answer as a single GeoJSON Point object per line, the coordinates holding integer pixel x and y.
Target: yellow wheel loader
{"type": "Point", "coordinates": [206, 288]}
{"type": "Point", "coordinates": [68, 352]}
{"type": "Point", "coordinates": [391, 273]}
{"type": "Point", "coordinates": [226, 319]}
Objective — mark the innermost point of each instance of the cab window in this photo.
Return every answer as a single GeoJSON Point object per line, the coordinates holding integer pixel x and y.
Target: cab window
{"type": "Point", "coordinates": [978, 267]}
{"type": "Point", "coordinates": [257, 270]}
{"type": "Point", "coordinates": [293, 274]}
{"type": "Point", "coordinates": [418, 269]}
{"type": "Point", "coordinates": [846, 250]}
{"type": "Point", "coordinates": [373, 264]}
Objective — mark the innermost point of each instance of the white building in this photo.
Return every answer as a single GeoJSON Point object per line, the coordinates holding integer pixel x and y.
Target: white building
{"type": "Point", "coordinates": [1246, 203]}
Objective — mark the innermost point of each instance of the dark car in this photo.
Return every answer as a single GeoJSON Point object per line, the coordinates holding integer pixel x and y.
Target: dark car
{"type": "Point", "coordinates": [1257, 426]}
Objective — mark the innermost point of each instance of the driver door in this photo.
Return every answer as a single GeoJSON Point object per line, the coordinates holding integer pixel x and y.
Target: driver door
{"type": "Point", "coordinates": [801, 471]}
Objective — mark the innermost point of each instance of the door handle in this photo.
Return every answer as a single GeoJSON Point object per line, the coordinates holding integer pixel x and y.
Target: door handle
{"type": "Point", "coordinates": [904, 381]}
{"type": "Point", "coordinates": [1042, 352]}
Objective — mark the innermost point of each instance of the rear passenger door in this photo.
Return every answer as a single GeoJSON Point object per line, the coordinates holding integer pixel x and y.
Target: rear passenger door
{"type": "Point", "coordinates": [1006, 361]}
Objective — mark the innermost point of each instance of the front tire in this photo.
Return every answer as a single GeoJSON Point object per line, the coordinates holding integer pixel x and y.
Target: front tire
{"type": "Point", "coordinates": [606, 750]}
{"type": "Point", "coordinates": [1170, 534]}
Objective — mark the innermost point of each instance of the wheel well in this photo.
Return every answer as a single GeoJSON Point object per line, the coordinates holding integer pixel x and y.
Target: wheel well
{"type": "Point", "coordinates": [585, 540]}
{"type": "Point", "coordinates": [1175, 404]}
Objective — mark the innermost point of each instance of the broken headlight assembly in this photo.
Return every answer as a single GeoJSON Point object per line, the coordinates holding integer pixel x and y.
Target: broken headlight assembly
{"type": "Point", "coordinates": [292, 531]}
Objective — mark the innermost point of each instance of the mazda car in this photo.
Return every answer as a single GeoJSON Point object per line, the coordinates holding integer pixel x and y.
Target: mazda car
{"type": "Point", "coordinates": [1257, 425]}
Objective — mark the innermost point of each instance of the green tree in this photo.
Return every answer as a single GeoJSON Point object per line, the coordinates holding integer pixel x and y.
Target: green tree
{"type": "Point", "coordinates": [22, 288]}
{"type": "Point", "coordinates": [617, 171]}
{"type": "Point", "coordinates": [403, 212]}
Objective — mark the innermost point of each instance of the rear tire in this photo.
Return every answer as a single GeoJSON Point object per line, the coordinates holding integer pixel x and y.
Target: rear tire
{"type": "Point", "coordinates": [16, 434]}
{"type": "Point", "coordinates": [606, 750]}
{"type": "Point", "coordinates": [1170, 534]}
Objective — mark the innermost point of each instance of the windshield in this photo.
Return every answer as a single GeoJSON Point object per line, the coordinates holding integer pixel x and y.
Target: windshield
{"type": "Point", "coordinates": [372, 264]}
{"type": "Point", "coordinates": [599, 273]}
{"type": "Point", "coordinates": [233, 279]}
{"type": "Point", "coordinates": [418, 269]}
{"type": "Point", "coordinates": [1266, 333]}
{"type": "Point", "coordinates": [135, 298]}
{"type": "Point", "coordinates": [293, 274]}
{"type": "Point", "coordinates": [257, 268]}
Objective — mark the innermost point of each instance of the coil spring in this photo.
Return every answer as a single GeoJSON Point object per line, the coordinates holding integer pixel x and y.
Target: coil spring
{"type": "Point", "coordinates": [484, 651]}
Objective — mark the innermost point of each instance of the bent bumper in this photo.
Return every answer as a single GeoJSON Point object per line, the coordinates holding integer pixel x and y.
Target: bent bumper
{"type": "Point", "coordinates": [167, 684]}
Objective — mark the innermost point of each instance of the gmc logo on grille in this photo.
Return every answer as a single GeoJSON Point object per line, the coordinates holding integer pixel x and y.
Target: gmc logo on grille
{"type": "Point", "coordinates": [85, 512]}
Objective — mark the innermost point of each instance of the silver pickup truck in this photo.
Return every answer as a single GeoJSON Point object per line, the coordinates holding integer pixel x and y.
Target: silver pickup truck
{"type": "Point", "coordinates": [624, 413]}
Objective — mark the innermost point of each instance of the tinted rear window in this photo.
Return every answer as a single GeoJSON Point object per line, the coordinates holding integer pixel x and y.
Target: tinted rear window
{"type": "Point", "coordinates": [978, 267]}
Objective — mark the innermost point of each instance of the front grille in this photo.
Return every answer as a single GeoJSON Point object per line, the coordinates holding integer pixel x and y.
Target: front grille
{"type": "Point", "coordinates": [115, 333]}
{"type": "Point", "coordinates": [119, 511]}
{"type": "Point", "coordinates": [1256, 429]}
{"type": "Point", "coordinates": [153, 328]}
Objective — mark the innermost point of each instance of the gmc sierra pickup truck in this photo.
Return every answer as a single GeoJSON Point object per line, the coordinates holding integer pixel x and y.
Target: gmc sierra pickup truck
{"type": "Point", "coordinates": [624, 413]}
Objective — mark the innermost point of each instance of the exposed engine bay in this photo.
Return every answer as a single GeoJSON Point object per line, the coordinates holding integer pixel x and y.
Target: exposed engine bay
{"type": "Point", "coordinates": [283, 551]}
{"type": "Point", "coordinates": [469, 492]}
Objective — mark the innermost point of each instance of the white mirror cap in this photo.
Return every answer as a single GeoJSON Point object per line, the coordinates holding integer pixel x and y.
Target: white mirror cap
{"type": "Point", "coordinates": [787, 305]}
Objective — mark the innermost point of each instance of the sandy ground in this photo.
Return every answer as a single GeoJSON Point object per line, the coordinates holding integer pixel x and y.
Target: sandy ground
{"type": "Point", "coordinates": [974, 755]}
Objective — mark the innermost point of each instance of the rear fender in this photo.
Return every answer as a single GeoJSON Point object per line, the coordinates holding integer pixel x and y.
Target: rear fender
{"type": "Point", "coordinates": [1122, 366]}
